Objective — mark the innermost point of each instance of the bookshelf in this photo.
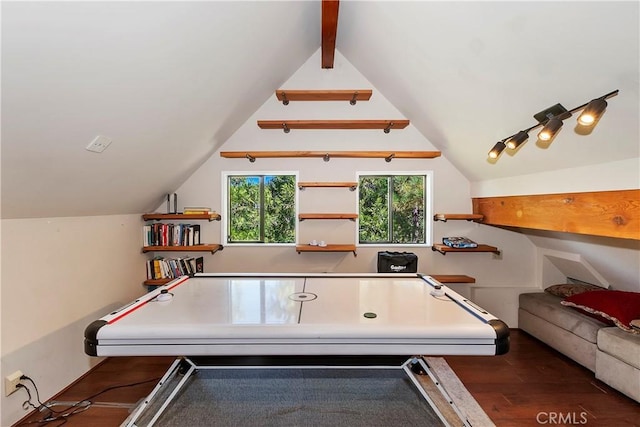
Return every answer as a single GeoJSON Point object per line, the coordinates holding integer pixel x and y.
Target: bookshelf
{"type": "Point", "coordinates": [182, 236]}
{"type": "Point", "coordinates": [444, 249]}
{"type": "Point", "coordinates": [327, 216]}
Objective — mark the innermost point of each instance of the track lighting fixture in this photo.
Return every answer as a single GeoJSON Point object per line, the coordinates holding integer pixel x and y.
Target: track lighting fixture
{"type": "Point", "coordinates": [592, 112]}
{"type": "Point", "coordinates": [496, 150]}
{"type": "Point", "coordinates": [517, 140]}
{"type": "Point", "coordinates": [550, 130]}
{"type": "Point", "coordinates": [551, 121]}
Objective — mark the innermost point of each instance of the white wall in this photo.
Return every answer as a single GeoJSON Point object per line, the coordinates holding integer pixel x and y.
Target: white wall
{"type": "Point", "coordinates": [451, 190]}
{"type": "Point", "coordinates": [58, 275]}
{"type": "Point", "coordinates": [619, 175]}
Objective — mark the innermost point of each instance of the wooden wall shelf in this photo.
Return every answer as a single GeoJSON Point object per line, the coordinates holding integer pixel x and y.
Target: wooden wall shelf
{"type": "Point", "coordinates": [444, 249]}
{"type": "Point", "coordinates": [287, 125]}
{"type": "Point", "coordinates": [351, 95]}
{"type": "Point", "coordinates": [350, 185]}
{"type": "Point", "coordinates": [328, 248]}
{"type": "Point", "coordinates": [327, 155]}
{"type": "Point", "coordinates": [453, 278]}
{"type": "Point", "coordinates": [350, 216]}
{"type": "Point", "coordinates": [213, 248]}
{"type": "Point", "coordinates": [158, 282]}
{"type": "Point", "coordinates": [185, 217]}
{"type": "Point", "coordinates": [456, 217]}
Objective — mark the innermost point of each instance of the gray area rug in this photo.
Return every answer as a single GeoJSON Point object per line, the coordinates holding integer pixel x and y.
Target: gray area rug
{"type": "Point", "coordinates": [299, 397]}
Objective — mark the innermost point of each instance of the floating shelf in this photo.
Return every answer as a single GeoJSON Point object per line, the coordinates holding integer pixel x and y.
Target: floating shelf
{"type": "Point", "coordinates": [453, 278]}
{"type": "Point", "coordinates": [287, 125]}
{"type": "Point", "coordinates": [213, 248]}
{"type": "Point", "coordinates": [350, 216]}
{"type": "Point", "coordinates": [328, 248]}
{"type": "Point", "coordinates": [453, 217]}
{"type": "Point", "coordinates": [159, 217]}
{"type": "Point", "coordinates": [327, 155]}
{"type": "Point", "coordinates": [443, 249]}
{"type": "Point", "coordinates": [157, 282]}
{"type": "Point", "coordinates": [351, 95]}
{"type": "Point", "coordinates": [350, 185]}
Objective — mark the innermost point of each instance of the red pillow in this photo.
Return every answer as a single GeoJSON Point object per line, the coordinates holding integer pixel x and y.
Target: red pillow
{"type": "Point", "coordinates": [619, 307]}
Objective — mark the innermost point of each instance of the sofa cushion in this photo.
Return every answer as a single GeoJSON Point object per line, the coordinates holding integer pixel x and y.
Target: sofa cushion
{"type": "Point", "coordinates": [620, 307]}
{"type": "Point", "coordinates": [617, 374]}
{"type": "Point", "coordinates": [548, 307]}
{"type": "Point", "coordinates": [565, 290]}
{"type": "Point", "coordinates": [621, 345]}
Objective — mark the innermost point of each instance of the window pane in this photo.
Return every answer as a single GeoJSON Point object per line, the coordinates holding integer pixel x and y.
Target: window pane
{"type": "Point", "coordinates": [244, 209]}
{"type": "Point", "coordinates": [279, 208]}
{"type": "Point", "coordinates": [261, 209]}
{"type": "Point", "coordinates": [374, 209]}
{"type": "Point", "coordinates": [408, 209]}
{"type": "Point", "coordinates": [392, 209]}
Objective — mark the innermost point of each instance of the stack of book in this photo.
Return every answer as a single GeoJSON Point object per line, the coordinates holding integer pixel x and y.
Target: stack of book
{"type": "Point", "coordinates": [196, 210]}
{"type": "Point", "coordinates": [171, 268]}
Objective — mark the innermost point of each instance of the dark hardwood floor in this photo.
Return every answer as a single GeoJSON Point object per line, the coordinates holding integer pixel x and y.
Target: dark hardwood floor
{"type": "Point", "coordinates": [532, 385]}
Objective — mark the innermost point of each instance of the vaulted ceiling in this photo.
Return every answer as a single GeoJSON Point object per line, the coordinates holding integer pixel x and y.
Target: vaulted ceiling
{"type": "Point", "coordinates": [169, 82]}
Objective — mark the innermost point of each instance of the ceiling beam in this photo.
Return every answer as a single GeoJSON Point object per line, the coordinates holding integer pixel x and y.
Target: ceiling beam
{"type": "Point", "coordinates": [329, 31]}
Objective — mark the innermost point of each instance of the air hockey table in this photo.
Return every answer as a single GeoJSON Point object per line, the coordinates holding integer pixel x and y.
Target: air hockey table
{"type": "Point", "coordinates": [294, 314]}
{"type": "Point", "coordinates": [214, 320]}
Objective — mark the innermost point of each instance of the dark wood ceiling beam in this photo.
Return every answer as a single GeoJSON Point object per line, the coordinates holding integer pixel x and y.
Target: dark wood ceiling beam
{"type": "Point", "coordinates": [329, 31]}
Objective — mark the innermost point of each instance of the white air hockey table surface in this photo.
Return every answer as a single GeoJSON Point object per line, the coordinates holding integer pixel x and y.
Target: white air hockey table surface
{"type": "Point", "coordinates": [298, 314]}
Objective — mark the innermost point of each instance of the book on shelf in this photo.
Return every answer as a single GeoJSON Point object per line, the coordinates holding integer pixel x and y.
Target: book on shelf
{"type": "Point", "coordinates": [172, 268]}
{"type": "Point", "coordinates": [160, 234]}
{"type": "Point", "coordinates": [196, 210]}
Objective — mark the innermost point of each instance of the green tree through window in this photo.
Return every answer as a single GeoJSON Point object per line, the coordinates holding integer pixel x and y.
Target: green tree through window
{"type": "Point", "coordinates": [392, 209]}
{"type": "Point", "coordinates": [261, 208]}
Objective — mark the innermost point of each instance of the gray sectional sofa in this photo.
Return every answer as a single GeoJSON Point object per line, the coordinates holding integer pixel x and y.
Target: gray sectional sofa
{"type": "Point", "coordinates": [611, 353]}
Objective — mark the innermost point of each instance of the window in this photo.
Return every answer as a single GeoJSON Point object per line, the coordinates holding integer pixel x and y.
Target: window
{"type": "Point", "coordinates": [393, 209]}
{"type": "Point", "coordinates": [260, 208]}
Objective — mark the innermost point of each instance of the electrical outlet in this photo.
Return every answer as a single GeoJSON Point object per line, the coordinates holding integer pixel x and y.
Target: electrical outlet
{"type": "Point", "coordinates": [11, 382]}
{"type": "Point", "coordinates": [99, 144]}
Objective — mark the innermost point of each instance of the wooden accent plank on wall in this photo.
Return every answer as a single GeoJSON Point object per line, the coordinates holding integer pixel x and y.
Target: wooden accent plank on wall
{"type": "Point", "coordinates": [601, 213]}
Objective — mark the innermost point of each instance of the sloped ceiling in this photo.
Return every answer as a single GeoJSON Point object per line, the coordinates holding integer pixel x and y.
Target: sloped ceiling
{"type": "Point", "coordinates": [469, 74]}
{"type": "Point", "coordinates": [169, 82]}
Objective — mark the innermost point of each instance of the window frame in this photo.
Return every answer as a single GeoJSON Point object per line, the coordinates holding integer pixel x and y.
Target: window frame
{"type": "Point", "coordinates": [428, 208]}
{"type": "Point", "coordinates": [225, 206]}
